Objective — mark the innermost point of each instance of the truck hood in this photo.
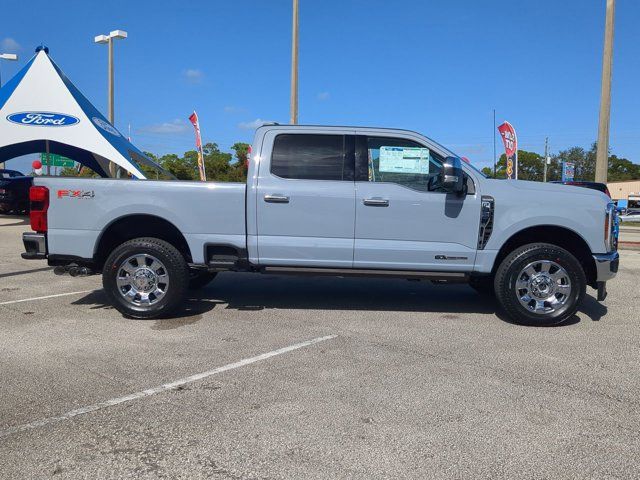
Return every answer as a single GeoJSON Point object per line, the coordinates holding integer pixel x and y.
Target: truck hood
{"type": "Point", "coordinates": [553, 189]}
{"type": "Point", "coordinates": [521, 204]}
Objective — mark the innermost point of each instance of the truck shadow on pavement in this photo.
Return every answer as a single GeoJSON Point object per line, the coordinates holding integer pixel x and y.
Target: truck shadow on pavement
{"type": "Point", "coordinates": [251, 292]}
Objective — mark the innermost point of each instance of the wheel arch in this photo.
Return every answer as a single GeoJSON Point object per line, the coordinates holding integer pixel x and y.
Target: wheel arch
{"type": "Point", "coordinates": [128, 227]}
{"type": "Point", "coordinates": [557, 235]}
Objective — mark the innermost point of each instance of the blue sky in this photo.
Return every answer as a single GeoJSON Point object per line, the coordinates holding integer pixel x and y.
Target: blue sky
{"type": "Point", "coordinates": [436, 67]}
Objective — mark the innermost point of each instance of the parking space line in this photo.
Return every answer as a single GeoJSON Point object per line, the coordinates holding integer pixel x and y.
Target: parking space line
{"type": "Point", "coordinates": [48, 296]}
{"type": "Point", "coordinates": [161, 388]}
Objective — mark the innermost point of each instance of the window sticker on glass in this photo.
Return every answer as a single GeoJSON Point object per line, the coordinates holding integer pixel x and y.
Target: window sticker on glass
{"type": "Point", "coordinates": [404, 160]}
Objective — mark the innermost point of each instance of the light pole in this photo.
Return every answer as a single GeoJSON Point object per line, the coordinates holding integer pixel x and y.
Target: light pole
{"type": "Point", "coordinates": [7, 56]}
{"type": "Point", "coordinates": [108, 39]}
{"type": "Point", "coordinates": [602, 152]}
{"type": "Point", "coordinates": [294, 65]}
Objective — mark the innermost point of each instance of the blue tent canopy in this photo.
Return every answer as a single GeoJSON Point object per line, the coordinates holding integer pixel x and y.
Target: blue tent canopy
{"type": "Point", "coordinates": [42, 110]}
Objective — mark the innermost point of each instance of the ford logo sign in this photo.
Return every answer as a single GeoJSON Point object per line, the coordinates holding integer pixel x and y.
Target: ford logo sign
{"type": "Point", "coordinates": [43, 119]}
{"type": "Point", "coordinates": [106, 126]}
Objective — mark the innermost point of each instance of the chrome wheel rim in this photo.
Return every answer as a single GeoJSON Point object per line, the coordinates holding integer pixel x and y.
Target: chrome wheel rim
{"type": "Point", "coordinates": [543, 287]}
{"type": "Point", "coordinates": [142, 280]}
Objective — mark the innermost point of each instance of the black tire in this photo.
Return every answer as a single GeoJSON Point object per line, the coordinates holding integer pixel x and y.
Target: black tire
{"type": "Point", "coordinates": [483, 285]}
{"type": "Point", "coordinates": [173, 262]}
{"type": "Point", "coordinates": [199, 279]}
{"type": "Point", "coordinates": [509, 296]}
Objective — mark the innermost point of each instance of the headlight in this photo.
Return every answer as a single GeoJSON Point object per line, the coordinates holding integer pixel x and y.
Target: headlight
{"type": "Point", "coordinates": [611, 228]}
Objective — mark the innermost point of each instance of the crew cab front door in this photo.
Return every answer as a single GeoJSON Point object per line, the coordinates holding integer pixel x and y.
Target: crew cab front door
{"type": "Point", "coordinates": [306, 200]}
{"type": "Point", "coordinates": [403, 221]}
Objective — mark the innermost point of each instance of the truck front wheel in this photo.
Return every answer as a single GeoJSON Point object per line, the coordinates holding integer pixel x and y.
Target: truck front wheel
{"type": "Point", "coordinates": [540, 284]}
{"type": "Point", "coordinates": [146, 278]}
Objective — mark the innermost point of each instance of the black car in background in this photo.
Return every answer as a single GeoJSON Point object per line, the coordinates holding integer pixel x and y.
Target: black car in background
{"type": "Point", "coordinates": [14, 192]}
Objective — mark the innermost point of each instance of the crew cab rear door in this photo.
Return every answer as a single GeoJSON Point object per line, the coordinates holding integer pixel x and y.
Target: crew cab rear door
{"type": "Point", "coordinates": [306, 199]}
{"type": "Point", "coordinates": [403, 222]}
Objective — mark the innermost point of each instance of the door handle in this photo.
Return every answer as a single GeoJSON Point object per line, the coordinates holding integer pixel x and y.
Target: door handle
{"type": "Point", "coordinates": [276, 198]}
{"type": "Point", "coordinates": [376, 202]}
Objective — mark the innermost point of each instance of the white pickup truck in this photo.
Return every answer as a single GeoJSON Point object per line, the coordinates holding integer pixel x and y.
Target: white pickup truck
{"type": "Point", "coordinates": [332, 201]}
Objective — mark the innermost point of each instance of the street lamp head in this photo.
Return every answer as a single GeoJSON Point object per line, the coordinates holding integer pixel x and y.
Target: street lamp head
{"type": "Point", "coordinates": [118, 34]}
{"type": "Point", "coordinates": [8, 56]}
{"type": "Point", "coordinates": [101, 39]}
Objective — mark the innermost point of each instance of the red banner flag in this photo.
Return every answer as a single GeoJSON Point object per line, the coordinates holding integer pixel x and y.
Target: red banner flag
{"type": "Point", "coordinates": [193, 118]}
{"type": "Point", "coordinates": [510, 140]}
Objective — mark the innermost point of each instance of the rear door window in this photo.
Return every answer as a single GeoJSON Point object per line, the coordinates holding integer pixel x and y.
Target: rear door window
{"type": "Point", "coordinates": [312, 157]}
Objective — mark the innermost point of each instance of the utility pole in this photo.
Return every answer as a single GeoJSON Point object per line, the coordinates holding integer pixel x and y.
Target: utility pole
{"type": "Point", "coordinates": [294, 66]}
{"type": "Point", "coordinates": [494, 144]}
{"type": "Point", "coordinates": [546, 157]}
{"type": "Point", "coordinates": [602, 153]}
{"type": "Point", "coordinates": [110, 111]}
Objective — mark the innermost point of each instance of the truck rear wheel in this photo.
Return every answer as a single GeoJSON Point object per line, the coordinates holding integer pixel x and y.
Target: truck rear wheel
{"type": "Point", "coordinates": [540, 284]}
{"type": "Point", "coordinates": [146, 278]}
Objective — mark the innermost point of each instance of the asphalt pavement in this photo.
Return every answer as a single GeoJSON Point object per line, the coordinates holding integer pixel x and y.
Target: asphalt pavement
{"type": "Point", "coordinates": [276, 377]}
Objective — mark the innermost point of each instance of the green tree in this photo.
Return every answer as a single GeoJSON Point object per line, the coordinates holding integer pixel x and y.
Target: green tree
{"type": "Point", "coordinates": [182, 168]}
{"type": "Point", "coordinates": [488, 172]}
{"type": "Point", "coordinates": [530, 166]}
{"type": "Point", "coordinates": [73, 172]}
{"type": "Point", "coordinates": [241, 165]}
{"type": "Point", "coordinates": [621, 169]}
{"type": "Point", "coordinates": [584, 161]}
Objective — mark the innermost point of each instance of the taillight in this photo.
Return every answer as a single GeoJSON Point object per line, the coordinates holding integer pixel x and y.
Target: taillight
{"type": "Point", "coordinates": [611, 228]}
{"type": "Point", "coordinates": [39, 198]}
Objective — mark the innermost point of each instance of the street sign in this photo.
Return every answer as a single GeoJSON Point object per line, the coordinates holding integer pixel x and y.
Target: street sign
{"type": "Point", "coordinates": [57, 160]}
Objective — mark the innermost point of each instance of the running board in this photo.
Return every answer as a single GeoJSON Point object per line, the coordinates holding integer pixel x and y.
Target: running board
{"type": "Point", "coordinates": [352, 272]}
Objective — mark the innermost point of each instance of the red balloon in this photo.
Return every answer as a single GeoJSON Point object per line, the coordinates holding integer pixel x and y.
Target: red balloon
{"type": "Point", "coordinates": [36, 164]}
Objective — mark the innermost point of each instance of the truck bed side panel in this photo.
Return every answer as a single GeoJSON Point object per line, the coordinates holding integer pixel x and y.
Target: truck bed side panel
{"type": "Point", "coordinates": [203, 212]}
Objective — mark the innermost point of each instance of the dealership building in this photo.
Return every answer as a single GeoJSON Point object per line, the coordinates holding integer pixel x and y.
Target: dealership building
{"type": "Point", "coordinates": [626, 194]}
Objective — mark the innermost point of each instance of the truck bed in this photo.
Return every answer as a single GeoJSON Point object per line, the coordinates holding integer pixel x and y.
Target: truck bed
{"type": "Point", "coordinates": [81, 208]}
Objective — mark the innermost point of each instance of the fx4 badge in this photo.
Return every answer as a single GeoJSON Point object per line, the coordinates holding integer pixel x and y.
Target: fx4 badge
{"type": "Point", "coordinates": [76, 193]}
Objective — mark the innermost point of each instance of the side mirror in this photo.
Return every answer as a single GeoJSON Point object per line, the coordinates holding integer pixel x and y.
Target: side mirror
{"type": "Point", "coordinates": [451, 176]}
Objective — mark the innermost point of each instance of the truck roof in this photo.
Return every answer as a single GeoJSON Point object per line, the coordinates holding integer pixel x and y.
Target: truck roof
{"type": "Point", "coordinates": [384, 130]}
{"type": "Point", "coordinates": [354, 127]}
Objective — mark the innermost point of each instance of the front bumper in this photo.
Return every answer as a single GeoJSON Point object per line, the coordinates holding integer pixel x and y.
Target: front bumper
{"type": "Point", "coordinates": [35, 245]}
{"type": "Point", "coordinates": [606, 266]}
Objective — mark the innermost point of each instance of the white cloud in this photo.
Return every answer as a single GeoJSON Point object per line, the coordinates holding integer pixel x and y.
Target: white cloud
{"type": "Point", "coordinates": [9, 45]}
{"type": "Point", "coordinates": [323, 96]}
{"type": "Point", "coordinates": [193, 75]}
{"type": "Point", "coordinates": [176, 126]}
{"type": "Point", "coordinates": [258, 122]}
